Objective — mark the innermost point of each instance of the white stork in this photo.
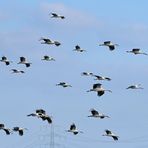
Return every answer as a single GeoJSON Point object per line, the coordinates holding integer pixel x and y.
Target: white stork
{"type": "Point", "coordinates": [40, 113]}
{"type": "Point", "coordinates": [5, 60]}
{"type": "Point", "coordinates": [101, 78]}
{"type": "Point", "coordinates": [49, 42]}
{"type": "Point", "coordinates": [109, 44]}
{"type": "Point", "coordinates": [78, 48]}
{"type": "Point", "coordinates": [7, 130]}
{"type": "Point", "coordinates": [20, 130]}
{"type": "Point", "coordinates": [73, 129]}
{"type": "Point", "coordinates": [48, 58]}
{"type": "Point", "coordinates": [99, 89]}
{"type": "Point", "coordinates": [63, 84]}
{"type": "Point", "coordinates": [136, 86]}
{"type": "Point", "coordinates": [55, 15]}
{"type": "Point", "coordinates": [24, 61]}
{"type": "Point", "coordinates": [110, 134]}
{"type": "Point", "coordinates": [17, 71]}
{"type": "Point", "coordinates": [87, 74]}
{"type": "Point", "coordinates": [137, 51]}
{"type": "Point", "coordinates": [96, 114]}
{"type": "Point", "coordinates": [37, 113]}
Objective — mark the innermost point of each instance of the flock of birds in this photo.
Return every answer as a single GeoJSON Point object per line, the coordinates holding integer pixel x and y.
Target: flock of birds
{"type": "Point", "coordinates": [97, 87]}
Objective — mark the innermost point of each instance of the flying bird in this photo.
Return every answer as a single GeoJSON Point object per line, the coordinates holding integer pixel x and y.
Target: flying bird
{"type": "Point", "coordinates": [24, 61]}
{"type": "Point", "coordinates": [87, 74]}
{"type": "Point", "coordinates": [49, 42]}
{"type": "Point", "coordinates": [96, 114]}
{"type": "Point", "coordinates": [47, 58]}
{"type": "Point", "coordinates": [19, 130]}
{"type": "Point", "coordinates": [7, 130]}
{"type": "Point", "coordinates": [17, 71]}
{"type": "Point", "coordinates": [101, 78]}
{"type": "Point", "coordinates": [63, 84]}
{"type": "Point", "coordinates": [99, 89]}
{"type": "Point", "coordinates": [38, 113]}
{"type": "Point", "coordinates": [5, 60]}
{"type": "Point", "coordinates": [137, 86]}
{"type": "Point", "coordinates": [55, 15]}
{"type": "Point", "coordinates": [109, 44]}
{"type": "Point", "coordinates": [79, 49]}
{"type": "Point", "coordinates": [137, 51]}
{"type": "Point", "coordinates": [73, 129]}
{"type": "Point", "coordinates": [110, 134]}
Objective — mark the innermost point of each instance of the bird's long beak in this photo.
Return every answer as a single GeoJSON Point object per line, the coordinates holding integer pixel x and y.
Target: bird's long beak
{"type": "Point", "coordinates": [81, 132]}
{"type": "Point", "coordinates": [128, 51]}
{"type": "Point", "coordinates": [88, 91]}
{"type": "Point", "coordinates": [107, 116]}
{"type": "Point", "coordinates": [109, 91]}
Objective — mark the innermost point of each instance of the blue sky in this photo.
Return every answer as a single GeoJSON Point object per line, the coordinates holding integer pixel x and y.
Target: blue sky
{"type": "Point", "coordinates": [87, 23]}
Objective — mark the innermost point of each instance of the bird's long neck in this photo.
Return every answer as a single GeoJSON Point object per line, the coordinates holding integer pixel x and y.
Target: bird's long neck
{"type": "Point", "coordinates": [90, 116]}
{"type": "Point", "coordinates": [90, 90]}
{"type": "Point", "coordinates": [102, 45]}
{"type": "Point", "coordinates": [140, 88]}
{"type": "Point", "coordinates": [129, 51]}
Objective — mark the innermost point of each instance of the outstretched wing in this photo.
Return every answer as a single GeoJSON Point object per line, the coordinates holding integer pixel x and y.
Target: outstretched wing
{"type": "Point", "coordinates": [73, 127]}
{"type": "Point", "coordinates": [136, 49]}
{"type": "Point", "coordinates": [41, 111]}
{"type": "Point", "coordinates": [100, 93]}
{"type": "Point", "coordinates": [4, 58]}
{"type": "Point", "coordinates": [77, 47]}
{"type": "Point", "coordinates": [94, 112]}
{"type": "Point", "coordinates": [22, 59]}
{"type": "Point", "coordinates": [7, 131]}
{"type": "Point", "coordinates": [54, 14]}
{"type": "Point", "coordinates": [96, 85]}
{"type": "Point", "coordinates": [111, 47]}
{"type": "Point", "coordinates": [108, 131]}
{"type": "Point", "coordinates": [21, 132]}
{"type": "Point", "coordinates": [115, 137]}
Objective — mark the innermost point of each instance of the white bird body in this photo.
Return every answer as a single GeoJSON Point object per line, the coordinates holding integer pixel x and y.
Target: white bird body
{"type": "Point", "coordinates": [73, 129]}
{"type": "Point", "coordinates": [137, 86]}
{"type": "Point", "coordinates": [99, 89]}
{"type": "Point", "coordinates": [137, 51]}
{"type": "Point", "coordinates": [40, 113]}
{"type": "Point", "coordinates": [17, 71]}
{"type": "Point", "coordinates": [37, 113]}
{"type": "Point", "coordinates": [55, 15]}
{"type": "Point", "coordinates": [20, 130]}
{"type": "Point", "coordinates": [24, 61]}
{"type": "Point", "coordinates": [50, 42]}
{"type": "Point", "coordinates": [86, 73]}
{"type": "Point", "coordinates": [48, 58]}
{"type": "Point", "coordinates": [63, 84]}
{"type": "Point", "coordinates": [111, 134]}
{"type": "Point", "coordinates": [79, 49]}
{"type": "Point", "coordinates": [96, 114]}
{"type": "Point", "coordinates": [5, 60]}
{"type": "Point", "coordinates": [7, 130]}
{"type": "Point", "coordinates": [109, 44]}
{"type": "Point", "coordinates": [101, 77]}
